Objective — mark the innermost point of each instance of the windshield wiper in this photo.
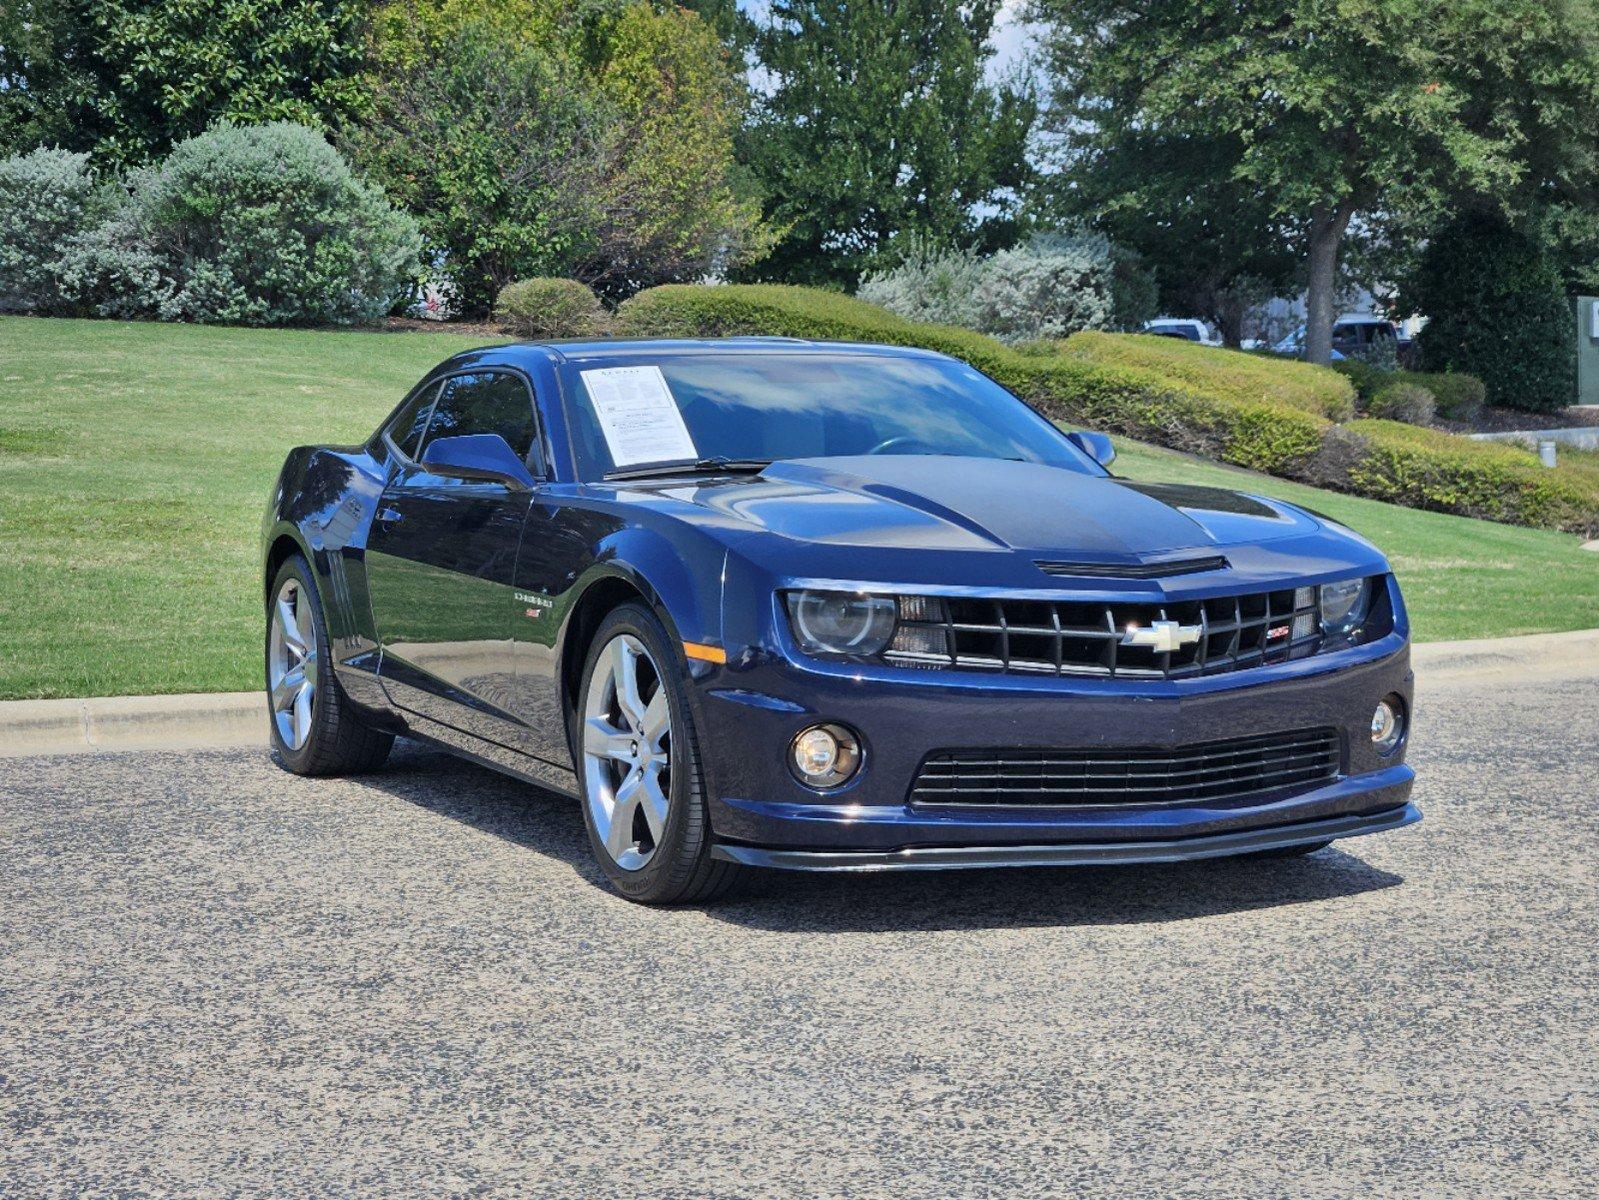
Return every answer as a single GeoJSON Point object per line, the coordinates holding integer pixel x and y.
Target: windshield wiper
{"type": "Point", "coordinates": [731, 466]}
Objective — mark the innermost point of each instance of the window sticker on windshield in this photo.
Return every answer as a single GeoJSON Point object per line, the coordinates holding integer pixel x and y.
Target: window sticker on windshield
{"type": "Point", "coordinates": [639, 416]}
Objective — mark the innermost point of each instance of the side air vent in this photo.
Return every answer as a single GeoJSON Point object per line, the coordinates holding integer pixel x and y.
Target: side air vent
{"type": "Point", "coordinates": [1160, 570]}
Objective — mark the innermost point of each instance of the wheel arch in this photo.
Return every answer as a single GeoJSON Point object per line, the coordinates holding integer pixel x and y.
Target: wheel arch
{"type": "Point", "coordinates": [282, 548]}
{"type": "Point", "coordinates": [608, 590]}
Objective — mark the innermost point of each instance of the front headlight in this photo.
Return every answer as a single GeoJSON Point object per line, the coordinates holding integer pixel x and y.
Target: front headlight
{"type": "Point", "coordinates": [1344, 605]}
{"type": "Point", "coordinates": [841, 622]}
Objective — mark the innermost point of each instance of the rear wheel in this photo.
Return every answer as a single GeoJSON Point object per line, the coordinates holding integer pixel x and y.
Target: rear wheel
{"type": "Point", "coordinates": [643, 795]}
{"type": "Point", "coordinates": [314, 729]}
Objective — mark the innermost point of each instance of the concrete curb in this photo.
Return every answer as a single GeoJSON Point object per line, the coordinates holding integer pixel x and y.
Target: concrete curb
{"type": "Point", "coordinates": [1538, 655]}
{"type": "Point", "coordinates": [235, 719]}
{"type": "Point", "coordinates": [181, 722]}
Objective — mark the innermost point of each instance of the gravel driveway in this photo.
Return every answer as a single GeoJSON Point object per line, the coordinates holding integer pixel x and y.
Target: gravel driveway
{"type": "Point", "coordinates": [217, 979]}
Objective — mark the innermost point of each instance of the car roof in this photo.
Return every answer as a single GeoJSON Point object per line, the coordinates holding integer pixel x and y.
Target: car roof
{"type": "Point", "coordinates": [635, 348]}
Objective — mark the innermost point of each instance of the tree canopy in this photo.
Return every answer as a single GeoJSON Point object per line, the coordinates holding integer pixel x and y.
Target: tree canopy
{"type": "Point", "coordinates": [1213, 241]}
{"type": "Point", "coordinates": [127, 79]}
{"type": "Point", "coordinates": [1381, 110]}
{"type": "Point", "coordinates": [873, 119]}
{"type": "Point", "coordinates": [536, 139]}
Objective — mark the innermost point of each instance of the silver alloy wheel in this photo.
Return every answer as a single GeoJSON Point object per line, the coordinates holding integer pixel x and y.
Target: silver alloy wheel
{"type": "Point", "coordinates": [627, 752]}
{"type": "Point", "coordinates": [291, 664]}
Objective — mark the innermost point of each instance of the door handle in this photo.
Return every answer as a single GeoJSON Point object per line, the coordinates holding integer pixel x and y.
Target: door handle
{"type": "Point", "coordinates": [387, 515]}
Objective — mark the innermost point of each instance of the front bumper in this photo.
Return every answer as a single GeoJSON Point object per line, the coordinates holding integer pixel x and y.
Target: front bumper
{"type": "Point", "coordinates": [761, 814]}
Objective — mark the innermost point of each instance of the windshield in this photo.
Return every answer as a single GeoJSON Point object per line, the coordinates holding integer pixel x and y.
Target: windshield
{"type": "Point", "coordinates": [771, 406]}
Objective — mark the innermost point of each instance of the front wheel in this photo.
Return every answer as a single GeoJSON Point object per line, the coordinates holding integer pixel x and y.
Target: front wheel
{"type": "Point", "coordinates": [314, 730]}
{"type": "Point", "coordinates": [643, 796]}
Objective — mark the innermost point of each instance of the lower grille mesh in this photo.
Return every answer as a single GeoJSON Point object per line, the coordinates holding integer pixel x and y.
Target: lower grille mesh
{"type": "Point", "coordinates": [1203, 771]}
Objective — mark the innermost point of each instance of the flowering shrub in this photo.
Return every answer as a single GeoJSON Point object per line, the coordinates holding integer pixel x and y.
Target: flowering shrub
{"type": "Point", "coordinates": [1052, 286]}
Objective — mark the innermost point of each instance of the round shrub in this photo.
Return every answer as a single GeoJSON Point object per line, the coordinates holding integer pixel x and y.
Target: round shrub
{"type": "Point", "coordinates": [931, 284]}
{"type": "Point", "coordinates": [1496, 308]}
{"type": "Point", "coordinates": [48, 198]}
{"type": "Point", "coordinates": [252, 225]}
{"type": "Point", "coordinates": [1460, 396]}
{"type": "Point", "coordinates": [1407, 402]}
{"type": "Point", "coordinates": [549, 308]}
{"type": "Point", "coordinates": [1047, 290]}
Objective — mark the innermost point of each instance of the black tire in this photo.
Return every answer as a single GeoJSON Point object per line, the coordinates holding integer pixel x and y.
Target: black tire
{"type": "Point", "coordinates": [680, 870]}
{"type": "Point", "coordinates": [338, 742]}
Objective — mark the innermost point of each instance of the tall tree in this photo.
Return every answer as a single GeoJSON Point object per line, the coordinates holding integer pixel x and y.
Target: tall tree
{"type": "Point", "coordinates": [535, 137]}
{"type": "Point", "coordinates": [874, 119]}
{"type": "Point", "coordinates": [1213, 241]}
{"type": "Point", "coordinates": [1372, 109]}
{"type": "Point", "coordinates": [125, 79]}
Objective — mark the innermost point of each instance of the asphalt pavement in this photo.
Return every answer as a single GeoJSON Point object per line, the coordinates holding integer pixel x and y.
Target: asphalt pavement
{"type": "Point", "coordinates": [217, 979]}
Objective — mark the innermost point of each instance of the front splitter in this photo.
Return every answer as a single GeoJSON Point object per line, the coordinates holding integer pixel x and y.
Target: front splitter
{"type": "Point", "coordinates": [1073, 854]}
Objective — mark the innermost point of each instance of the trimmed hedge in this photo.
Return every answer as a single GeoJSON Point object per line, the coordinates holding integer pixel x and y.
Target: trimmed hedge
{"type": "Point", "coordinates": [1498, 481]}
{"type": "Point", "coordinates": [1240, 376]}
{"type": "Point", "coordinates": [1112, 383]}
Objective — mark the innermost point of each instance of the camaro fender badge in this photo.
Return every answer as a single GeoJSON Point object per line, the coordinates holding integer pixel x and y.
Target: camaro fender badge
{"type": "Point", "coordinates": [537, 605]}
{"type": "Point", "coordinates": [1163, 637]}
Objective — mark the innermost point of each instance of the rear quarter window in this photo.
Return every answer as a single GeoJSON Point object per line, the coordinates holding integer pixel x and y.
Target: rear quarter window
{"type": "Point", "coordinates": [406, 426]}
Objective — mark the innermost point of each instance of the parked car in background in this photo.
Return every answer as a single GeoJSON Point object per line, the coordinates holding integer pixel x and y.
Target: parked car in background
{"type": "Point", "coordinates": [1355, 336]}
{"type": "Point", "coordinates": [768, 603]}
{"type": "Point", "coordinates": [1189, 329]}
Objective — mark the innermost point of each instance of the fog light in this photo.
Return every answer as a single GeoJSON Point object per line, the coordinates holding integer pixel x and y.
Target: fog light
{"type": "Point", "coordinates": [825, 756]}
{"type": "Point", "coordinates": [1388, 724]}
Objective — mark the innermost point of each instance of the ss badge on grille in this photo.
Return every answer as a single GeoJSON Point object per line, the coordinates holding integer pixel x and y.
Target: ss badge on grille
{"type": "Point", "coordinates": [1163, 637]}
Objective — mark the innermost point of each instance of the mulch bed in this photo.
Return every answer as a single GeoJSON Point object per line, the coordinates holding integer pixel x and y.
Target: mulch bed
{"type": "Point", "coordinates": [1510, 420]}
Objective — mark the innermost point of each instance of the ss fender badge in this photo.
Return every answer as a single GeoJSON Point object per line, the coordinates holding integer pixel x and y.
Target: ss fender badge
{"type": "Point", "coordinates": [537, 605]}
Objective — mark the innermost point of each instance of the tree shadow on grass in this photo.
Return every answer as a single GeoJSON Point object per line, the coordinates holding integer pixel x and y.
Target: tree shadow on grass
{"type": "Point", "coordinates": [892, 902]}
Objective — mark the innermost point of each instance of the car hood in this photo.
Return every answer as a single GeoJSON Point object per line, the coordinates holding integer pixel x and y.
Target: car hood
{"type": "Point", "coordinates": [940, 502]}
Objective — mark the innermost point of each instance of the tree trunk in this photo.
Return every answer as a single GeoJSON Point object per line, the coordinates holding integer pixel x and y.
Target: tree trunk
{"type": "Point", "coordinates": [1230, 310]}
{"type": "Point", "coordinates": [1327, 225]}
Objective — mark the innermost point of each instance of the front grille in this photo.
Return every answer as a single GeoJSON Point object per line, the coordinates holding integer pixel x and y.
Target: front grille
{"type": "Point", "coordinates": [1212, 771]}
{"type": "Point", "coordinates": [1074, 637]}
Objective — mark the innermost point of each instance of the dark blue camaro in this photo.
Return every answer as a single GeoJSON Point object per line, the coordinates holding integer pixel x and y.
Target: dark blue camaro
{"type": "Point", "coordinates": [772, 603]}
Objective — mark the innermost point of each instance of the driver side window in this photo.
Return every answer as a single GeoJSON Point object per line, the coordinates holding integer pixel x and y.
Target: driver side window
{"type": "Point", "coordinates": [485, 402]}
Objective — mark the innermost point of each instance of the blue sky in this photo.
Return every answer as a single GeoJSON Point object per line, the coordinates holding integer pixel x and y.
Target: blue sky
{"type": "Point", "coordinates": [1010, 35]}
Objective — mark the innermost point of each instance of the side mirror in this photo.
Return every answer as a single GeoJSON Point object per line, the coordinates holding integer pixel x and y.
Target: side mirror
{"type": "Point", "coordinates": [1096, 445]}
{"type": "Point", "coordinates": [486, 457]}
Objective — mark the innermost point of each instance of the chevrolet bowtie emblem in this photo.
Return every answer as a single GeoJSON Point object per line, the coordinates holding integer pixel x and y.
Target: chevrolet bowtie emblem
{"type": "Point", "coordinates": [1163, 637]}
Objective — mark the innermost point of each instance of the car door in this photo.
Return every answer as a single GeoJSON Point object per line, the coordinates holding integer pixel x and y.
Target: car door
{"type": "Point", "coordinates": [441, 559]}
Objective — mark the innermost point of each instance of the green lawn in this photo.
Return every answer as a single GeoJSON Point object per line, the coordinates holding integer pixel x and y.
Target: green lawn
{"type": "Point", "coordinates": [135, 460]}
{"type": "Point", "coordinates": [1462, 578]}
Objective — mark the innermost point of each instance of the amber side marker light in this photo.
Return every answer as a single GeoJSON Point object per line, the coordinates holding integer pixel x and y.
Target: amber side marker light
{"type": "Point", "coordinates": [710, 654]}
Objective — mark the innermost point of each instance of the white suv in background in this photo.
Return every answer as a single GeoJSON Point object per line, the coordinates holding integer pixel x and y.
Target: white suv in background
{"type": "Point", "coordinates": [1189, 329]}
